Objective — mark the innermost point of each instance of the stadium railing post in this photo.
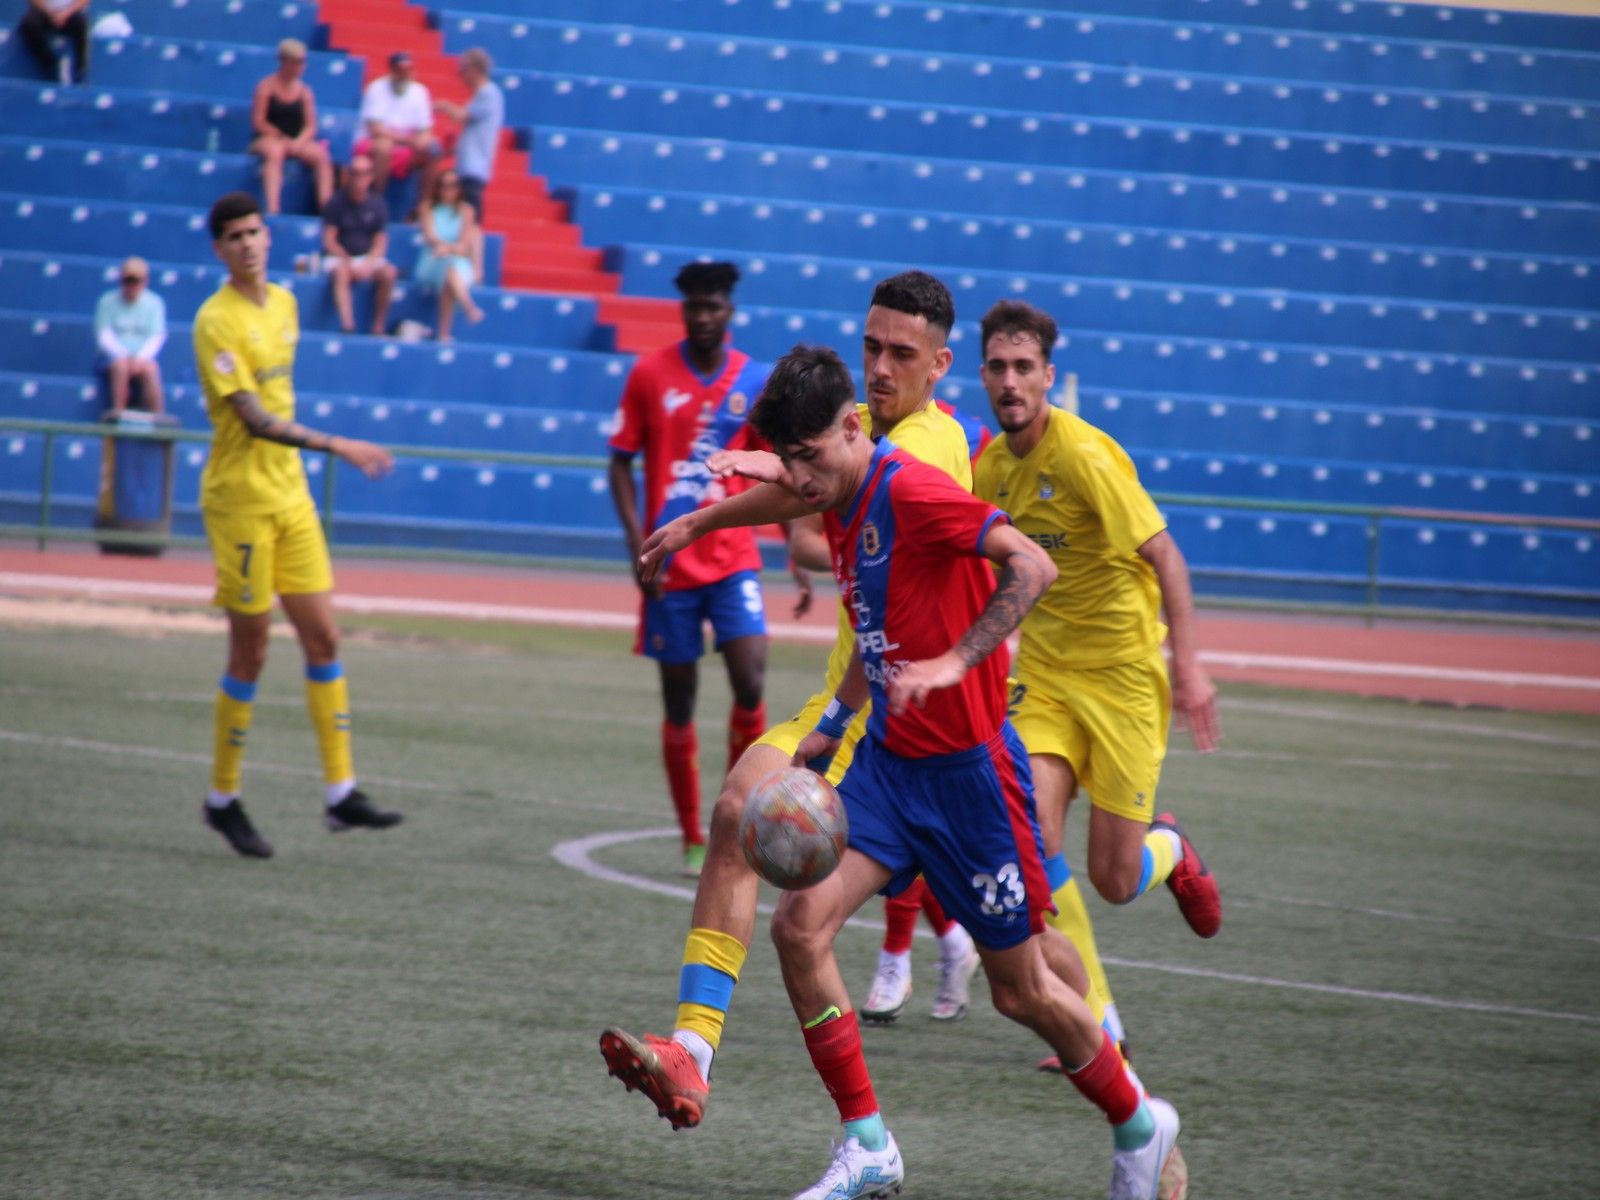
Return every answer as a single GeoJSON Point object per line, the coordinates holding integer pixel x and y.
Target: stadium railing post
{"type": "Point", "coordinates": [1373, 523]}
{"type": "Point", "coordinates": [46, 485]}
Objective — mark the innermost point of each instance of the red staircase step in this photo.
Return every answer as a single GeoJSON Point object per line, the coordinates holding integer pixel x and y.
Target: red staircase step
{"type": "Point", "coordinates": [534, 231]}
{"type": "Point", "coordinates": [557, 279]}
{"type": "Point", "coordinates": [640, 309]}
{"type": "Point", "coordinates": [636, 337]}
{"type": "Point", "coordinates": [578, 258]}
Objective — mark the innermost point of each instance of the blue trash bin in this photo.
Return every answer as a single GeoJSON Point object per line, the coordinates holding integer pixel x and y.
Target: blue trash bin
{"type": "Point", "coordinates": [136, 482]}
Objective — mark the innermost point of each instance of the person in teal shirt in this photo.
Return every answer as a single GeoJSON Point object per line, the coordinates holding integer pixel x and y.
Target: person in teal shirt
{"type": "Point", "coordinates": [452, 255]}
{"type": "Point", "coordinates": [130, 327]}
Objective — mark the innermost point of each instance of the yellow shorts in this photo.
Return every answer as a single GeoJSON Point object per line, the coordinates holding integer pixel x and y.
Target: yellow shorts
{"type": "Point", "coordinates": [262, 555]}
{"type": "Point", "coordinates": [1109, 723]}
{"type": "Point", "coordinates": [787, 737]}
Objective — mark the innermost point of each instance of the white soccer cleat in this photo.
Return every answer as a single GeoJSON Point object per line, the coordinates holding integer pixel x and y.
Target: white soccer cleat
{"type": "Point", "coordinates": [857, 1173]}
{"type": "Point", "coordinates": [1136, 1174]}
{"type": "Point", "coordinates": [891, 988]}
{"type": "Point", "coordinates": [955, 980]}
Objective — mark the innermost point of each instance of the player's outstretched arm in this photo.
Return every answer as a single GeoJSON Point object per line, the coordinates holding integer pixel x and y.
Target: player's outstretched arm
{"type": "Point", "coordinates": [766, 504]}
{"type": "Point", "coordinates": [1194, 696]}
{"type": "Point", "coordinates": [370, 459]}
{"type": "Point", "coordinates": [1025, 573]}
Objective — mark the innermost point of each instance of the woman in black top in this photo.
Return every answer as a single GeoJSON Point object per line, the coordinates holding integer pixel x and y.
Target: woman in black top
{"type": "Point", "coordinates": [284, 117]}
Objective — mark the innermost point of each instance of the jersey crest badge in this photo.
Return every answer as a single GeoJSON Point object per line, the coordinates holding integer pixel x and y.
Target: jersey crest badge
{"type": "Point", "coordinates": [1047, 490]}
{"type": "Point", "coordinates": [737, 403]}
{"type": "Point", "coordinates": [871, 542]}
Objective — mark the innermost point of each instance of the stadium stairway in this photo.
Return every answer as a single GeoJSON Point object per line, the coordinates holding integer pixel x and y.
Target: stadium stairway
{"type": "Point", "coordinates": [544, 247]}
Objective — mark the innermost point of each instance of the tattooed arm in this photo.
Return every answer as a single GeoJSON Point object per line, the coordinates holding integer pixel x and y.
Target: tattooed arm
{"type": "Point", "coordinates": [1025, 573]}
{"type": "Point", "coordinates": [371, 460]}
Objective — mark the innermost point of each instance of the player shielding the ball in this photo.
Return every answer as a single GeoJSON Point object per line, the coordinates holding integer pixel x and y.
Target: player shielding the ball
{"type": "Point", "coordinates": [940, 783]}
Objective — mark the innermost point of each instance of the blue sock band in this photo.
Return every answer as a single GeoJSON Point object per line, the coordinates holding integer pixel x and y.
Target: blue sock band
{"type": "Point", "coordinates": [325, 674]}
{"type": "Point", "coordinates": [1147, 868]}
{"type": "Point", "coordinates": [1137, 1130]}
{"type": "Point", "coordinates": [869, 1131]}
{"type": "Point", "coordinates": [700, 984]}
{"type": "Point", "coordinates": [237, 689]}
{"type": "Point", "coordinates": [1057, 872]}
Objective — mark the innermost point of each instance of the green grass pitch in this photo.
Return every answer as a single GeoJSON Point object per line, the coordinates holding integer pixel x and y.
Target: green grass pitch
{"type": "Point", "coordinates": [414, 1014]}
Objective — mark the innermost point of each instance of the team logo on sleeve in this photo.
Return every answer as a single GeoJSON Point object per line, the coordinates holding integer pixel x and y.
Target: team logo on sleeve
{"type": "Point", "coordinates": [223, 363]}
{"type": "Point", "coordinates": [871, 542]}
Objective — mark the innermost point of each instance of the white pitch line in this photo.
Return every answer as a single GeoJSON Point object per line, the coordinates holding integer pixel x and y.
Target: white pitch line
{"type": "Point", "coordinates": [1279, 708]}
{"type": "Point", "coordinates": [158, 754]}
{"type": "Point", "coordinates": [578, 854]}
{"type": "Point", "coordinates": [787, 631]}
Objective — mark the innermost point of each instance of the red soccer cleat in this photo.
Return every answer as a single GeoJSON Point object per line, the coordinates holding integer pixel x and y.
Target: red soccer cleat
{"type": "Point", "coordinates": [1192, 886]}
{"type": "Point", "coordinates": [662, 1070]}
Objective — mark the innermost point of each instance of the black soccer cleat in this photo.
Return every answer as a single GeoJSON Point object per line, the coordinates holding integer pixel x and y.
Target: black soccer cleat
{"type": "Point", "coordinates": [232, 823]}
{"type": "Point", "coordinates": [355, 811]}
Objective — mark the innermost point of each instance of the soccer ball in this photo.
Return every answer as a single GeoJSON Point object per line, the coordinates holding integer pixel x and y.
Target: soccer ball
{"type": "Point", "coordinates": [794, 828]}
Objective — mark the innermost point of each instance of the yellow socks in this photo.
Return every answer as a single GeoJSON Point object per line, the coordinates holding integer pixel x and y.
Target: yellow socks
{"type": "Point", "coordinates": [230, 728]}
{"type": "Point", "coordinates": [328, 699]}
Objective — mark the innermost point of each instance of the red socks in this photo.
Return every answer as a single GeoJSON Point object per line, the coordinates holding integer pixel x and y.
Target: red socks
{"type": "Point", "coordinates": [745, 725]}
{"type": "Point", "coordinates": [934, 911]}
{"type": "Point", "coordinates": [680, 751]}
{"type": "Point", "coordinates": [835, 1048]}
{"type": "Point", "coordinates": [1105, 1084]}
{"type": "Point", "coordinates": [900, 916]}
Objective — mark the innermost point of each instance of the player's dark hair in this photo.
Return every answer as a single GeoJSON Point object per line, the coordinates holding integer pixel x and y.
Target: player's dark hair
{"type": "Point", "coordinates": [230, 208]}
{"type": "Point", "coordinates": [707, 278]}
{"type": "Point", "coordinates": [807, 388]}
{"type": "Point", "coordinates": [1013, 317]}
{"type": "Point", "coordinates": [921, 295]}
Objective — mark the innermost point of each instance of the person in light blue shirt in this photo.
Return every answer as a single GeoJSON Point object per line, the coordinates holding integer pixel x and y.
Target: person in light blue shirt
{"type": "Point", "coordinates": [481, 119]}
{"type": "Point", "coordinates": [130, 327]}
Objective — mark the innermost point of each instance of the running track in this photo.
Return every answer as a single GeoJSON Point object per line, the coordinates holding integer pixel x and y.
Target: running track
{"type": "Point", "coordinates": [1433, 663]}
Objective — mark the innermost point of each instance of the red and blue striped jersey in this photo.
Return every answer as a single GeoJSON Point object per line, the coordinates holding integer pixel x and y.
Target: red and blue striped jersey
{"type": "Point", "coordinates": [907, 560]}
{"type": "Point", "coordinates": [679, 419]}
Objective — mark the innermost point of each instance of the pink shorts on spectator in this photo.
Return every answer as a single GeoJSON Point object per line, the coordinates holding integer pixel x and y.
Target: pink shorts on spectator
{"type": "Point", "coordinates": [400, 157]}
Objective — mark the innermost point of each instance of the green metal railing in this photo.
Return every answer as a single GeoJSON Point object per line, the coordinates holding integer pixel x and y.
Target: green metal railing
{"type": "Point", "coordinates": [1372, 586]}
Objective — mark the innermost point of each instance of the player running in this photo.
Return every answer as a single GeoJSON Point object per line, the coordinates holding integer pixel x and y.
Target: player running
{"type": "Point", "coordinates": [904, 356]}
{"type": "Point", "coordinates": [940, 782]}
{"type": "Point", "coordinates": [263, 525]}
{"type": "Point", "coordinates": [1092, 700]}
{"type": "Point", "coordinates": [682, 404]}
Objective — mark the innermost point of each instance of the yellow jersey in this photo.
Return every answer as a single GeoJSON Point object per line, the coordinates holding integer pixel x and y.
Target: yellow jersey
{"type": "Point", "coordinates": [935, 437]}
{"type": "Point", "coordinates": [240, 347]}
{"type": "Point", "coordinates": [1078, 496]}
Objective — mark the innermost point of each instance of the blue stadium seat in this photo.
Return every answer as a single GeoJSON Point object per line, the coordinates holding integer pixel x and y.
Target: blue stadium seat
{"type": "Point", "coordinates": [176, 234]}
{"type": "Point", "coordinates": [1025, 99]}
{"type": "Point", "coordinates": [215, 69]}
{"type": "Point", "coordinates": [1170, 256]}
{"type": "Point", "coordinates": [581, 156]}
{"type": "Point", "coordinates": [1196, 39]}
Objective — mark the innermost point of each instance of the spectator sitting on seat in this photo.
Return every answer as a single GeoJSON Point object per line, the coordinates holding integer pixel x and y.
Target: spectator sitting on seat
{"type": "Point", "coordinates": [397, 123]}
{"type": "Point", "coordinates": [355, 244]}
{"type": "Point", "coordinates": [48, 19]}
{"type": "Point", "coordinates": [480, 119]}
{"type": "Point", "coordinates": [130, 325]}
{"type": "Point", "coordinates": [284, 118]}
{"type": "Point", "coordinates": [452, 257]}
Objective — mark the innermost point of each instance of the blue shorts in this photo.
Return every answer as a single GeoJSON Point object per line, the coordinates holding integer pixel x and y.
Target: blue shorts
{"type": "Point", "coordinates": [672, 628]}
{"type": "Point", "coordinates": [966, 821]}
